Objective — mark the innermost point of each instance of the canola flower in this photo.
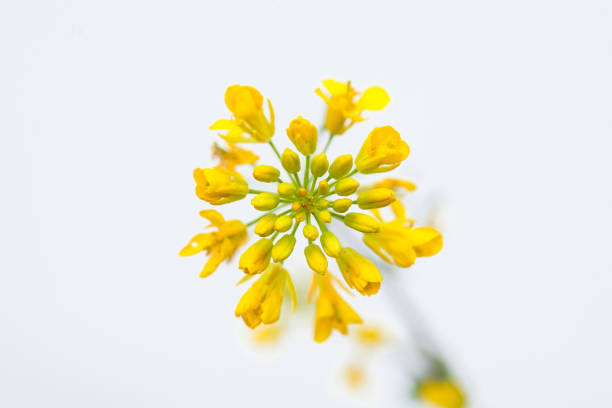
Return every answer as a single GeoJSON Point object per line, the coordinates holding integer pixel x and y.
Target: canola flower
{"type": "Point", "coordinates": [312, 193]}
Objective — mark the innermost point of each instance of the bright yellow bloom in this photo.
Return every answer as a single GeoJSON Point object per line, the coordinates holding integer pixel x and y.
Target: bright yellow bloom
{"type": "Point", "coordinates": [219, 186]}
{"type": "Point", "coordinates": [220, 245]}
{"type": "Point", "coordinates": [342, 109]}
{"type": "Point", "coordinates": [398, 243]}
{"type": "Point", "coordinates": [303, 134]}
{"type": "Point", "coordinates": [331, 311]}
{"type": "Point", "coordinates": [382, 151]}
{"type": "Point", "coordinates": [257, 257]}
{"type": "Point", "coordinates": [234, 156]}
{"type": "Point", "coordinates": [249, 125]}
{"type": "Point", "coordinates": [358, 271]}
{"type": "Point", "coordinates": [262, 302]}
{"type": "Point", "coordinates": [443, 393]}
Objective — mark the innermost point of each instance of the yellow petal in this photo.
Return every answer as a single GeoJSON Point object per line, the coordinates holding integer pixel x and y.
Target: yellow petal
{"type": "Point", "coordinates": [224, 124]}
{"type": "Point", "coordinates": [427, 241]}
{"type": "Point", "coordinates": [374, 98]}
{"type": "Point", "coordinates": [213, 216]}
{"type": "Point", "coordinates": [335, 87]}
{"type": "Point", "coordinates": [292, 293]}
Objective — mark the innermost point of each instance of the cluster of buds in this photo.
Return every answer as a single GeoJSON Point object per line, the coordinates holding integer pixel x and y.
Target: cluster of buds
{"type": "Point", "coordinates": [310, 194]}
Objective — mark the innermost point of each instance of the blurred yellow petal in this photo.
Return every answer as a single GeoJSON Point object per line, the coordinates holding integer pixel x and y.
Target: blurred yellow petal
{"type": "Point", "coordinates": [374, 98]}
{"type": "Point", "coordinates": [335, 87]}
{"type": "Point", "coordinates": [224, 124]}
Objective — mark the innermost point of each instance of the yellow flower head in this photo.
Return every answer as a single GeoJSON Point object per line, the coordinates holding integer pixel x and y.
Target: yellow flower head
{"type": "Point", "coordinates": [219, 186]}
{"type": "Point", "coordinates": [331, 311]}
{"type": "Point", "coordinates": [233, 156]}
{"type": "Point", "coordinates": [262, 302]}
{"type": "Point", "coordinates": [250, 124]}
{"type": "Point", "coordinates": [314, 195]}
{"type": "Point", "coordinates": [443, 393]}
{"type": "Point", "coordinates": [342, 109]}
{"type": "Point", "coordinates": [358, 271]}
{"type": "Point", "coordinates": [382, 151]}
{"type": "Point", "coordinates": [220, 245]}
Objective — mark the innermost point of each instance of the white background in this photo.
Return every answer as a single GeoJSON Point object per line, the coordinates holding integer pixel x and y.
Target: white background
{"type": "Point", "coordinates": [104, 110]}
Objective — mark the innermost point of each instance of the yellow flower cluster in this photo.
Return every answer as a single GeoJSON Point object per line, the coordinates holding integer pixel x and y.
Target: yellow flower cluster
{"type": "Point", "coordinates": [311, 192]}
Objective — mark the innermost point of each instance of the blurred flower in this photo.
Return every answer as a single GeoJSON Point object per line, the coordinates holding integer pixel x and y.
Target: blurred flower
{"type": "Point", "coordinates": [262, 302]}
{"type": "Point", "coordinates": [332, 312]}
{"type": "Point", "coordinates": [233, 156]}
{"type": "Point", "coordinates": [440, 392]}
{"type": "Point", "coordinates": [220, 245]}
{"type": "Point", "coordinates": [342, 109]}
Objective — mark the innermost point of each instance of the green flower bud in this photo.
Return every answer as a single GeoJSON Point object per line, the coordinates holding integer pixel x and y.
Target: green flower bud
{"type": "Point", "coordinates": [290, 161]}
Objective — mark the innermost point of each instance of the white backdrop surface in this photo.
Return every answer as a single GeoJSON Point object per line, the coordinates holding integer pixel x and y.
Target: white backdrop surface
{"type": "Point", "coordinates": [104, 111]}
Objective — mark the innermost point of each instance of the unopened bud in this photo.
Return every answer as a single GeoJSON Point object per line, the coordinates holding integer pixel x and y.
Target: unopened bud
{"type": "Point", "coordinates": [265, 201]}
{"type": "Point", "coordinates": [342, 205]}
{"type": "Point", "coordinates": [375, 198]}
{"type": "Point", "coordinates": [325, 216]}
{"type": "Point", "coordinates": [316, 258]}
{"type": "Point", "coordinates": [283, 223]}
{"type": "Point", "coordinates": [310, 232]}
{"type": "Point", "coordinates": [323, 187]}
{"type": "Point", "coordinates": [265, 226]}
{"type": "Point", "coordinates": [283, 248]}
{"type": "Point", "coordinates": [266, 173]}
{"type": "Point", "coordinates": [361, 222]}
{"type": "Point", "coordinates": [331, 244]}
{"type": "Point", "coordinates": [319, 165]}
{"type": "Point", "coordinates": [290, 161]}
{"type": "Point", "coordinates": [346, 186]}
{"type": "Point", "coordinates": [286, 189]}
{"type": "Point", "coordinates": [341, 166]}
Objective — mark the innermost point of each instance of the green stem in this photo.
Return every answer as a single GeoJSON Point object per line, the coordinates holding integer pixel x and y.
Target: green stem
{"type": "Point", "coordinates": [279, 159]}
{"type": "Point", "coordinates": [321, 224]}
{"type": "Point", "coordinates": [307, 171]}
{"type": "Point", "coordinates": [251, 191]}
{"type": "Point", "coordinates": [268, 213]}
{"type": "Point", "coordinates": [331, 136]}
{"type": "Point", "coordinates": [338, 216]}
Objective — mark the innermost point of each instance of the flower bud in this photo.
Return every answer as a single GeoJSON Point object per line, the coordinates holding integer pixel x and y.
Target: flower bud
{"type": "Point", "coordinates": [361, 222]}
{"type": "Point", "coordinates": [300, 215]}
{"type": "Point", "coordinates": [283, 223]}
{"type": "Point", "coordinates": [346, 186]}
{"type": "Point", "coordinates": [319, 165]}
{"type": "Point", "coordinates": [290, 161]}
{"type": "Point", "coordinates": [323, 187]}
{"type": "Point", "coordinates": [303, 134]}
{"type": "Point", "coordinates": [265, 201]}
{"type": "Point", "coordinates": [331, 244]}
{"type": "Point", "coordinates": [382, 151]}
{"type": "Point", "coordinates": [325, 216]}
{"type": "Point", "coordinates": [265, 226]}
{"type": "Point", "coordinates": [375, 198]}
{"type": "Point", "coordinates": [257, 257]}
{"type": "Point", "coordinates": [342, 205]}
{"type": "Point", "coordinates": [310, 232]}
{"type": "Point", "coordinates": [265, 173]}
{"type": "Point", "coordinates": [286, 189]}
{"type": "Point", "coordinates": [322, 204]}
{"type": "Point", "coordinates": [341, 166]}
{"type": "Point", "coordinates": [315, 258]}
{"type": "Point", "coordinates": [283, 248]}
